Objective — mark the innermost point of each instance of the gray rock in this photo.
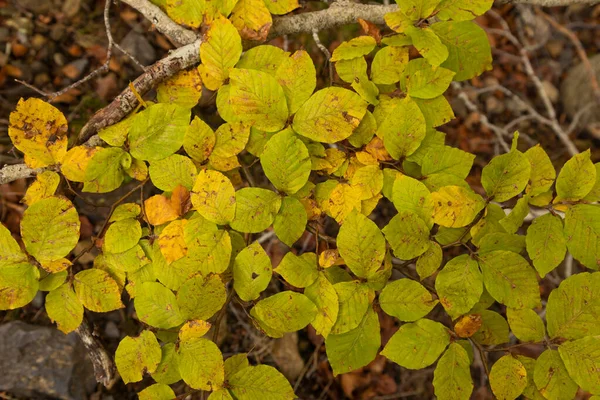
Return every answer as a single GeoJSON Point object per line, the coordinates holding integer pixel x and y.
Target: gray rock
{"type": "Point", "coordinates": [139, 47]}
{"type": "Point", "coordinates": [36, 6]}
{"type": "Point", "coordinates": [42, 362]}
{"type": "Point", "coordinates": [577, 93]}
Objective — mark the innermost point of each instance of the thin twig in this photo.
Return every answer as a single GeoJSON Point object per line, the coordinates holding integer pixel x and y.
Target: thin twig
{"type": "Point", "coordinates": [315, 35]}
{"type": "Point", "coordinates": [104, 367]}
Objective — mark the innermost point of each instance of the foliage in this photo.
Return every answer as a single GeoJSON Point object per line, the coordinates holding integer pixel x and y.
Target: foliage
{"type": "Point", "coordinates": [329, 153]}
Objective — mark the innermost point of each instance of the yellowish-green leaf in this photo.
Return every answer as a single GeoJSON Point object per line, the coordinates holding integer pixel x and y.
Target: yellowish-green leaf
{"type": "Point", "coordinates": [430, 261]}
{"type": "Point", "coordinates": [582, 232]}
{"type": "Point", "coordinates": [200, 363]}
{"type": "Point", "coordinates": [356, 348]}
{"type": "Point", "coordinates": [357, 47]}
{"type": "Point", "coordinates": [452, 376]}
{"type": "Point", "coordinates": [44, 186]}
{"type": "Point", "coordinates": [354, 300]}
{"type": "Point", "coordinates": [157, 306]}
{"type": "Point", "coordinates": [122, 235]}
{"type": "Point", "coordinates": [368, 180]}
{"type": "Point", "coordinates": [330, 115]}
{"type": "Point", "coordinates": [184, 88]}
{"type": "Point", "coordinates": [407, 234]}
{"type": "Point", "coordinates": [106, 170]}
{"type": "Point", "coordinates": [573, 308]}
{"type": "Point", "coordinates": [582, 360]}
{"type": "Point", "coordinates": [459, 285]}
{"type": "Point", "coordinates": [406, 300]}
{"type": "Point", "coordinates": [260, 382]}
{"type": "Point", "coordinates": [425, 81]}
{"type": "Point", "coordinates": [428, 44]}
{"type": "Point", "coordinates": [11, 252]}
{"type": "Point", "coordinates": [297, 77]}
{"type": "Point", "coordinates": [388, 65]}
{"type": "Point", "coordinates": [460, 10]}
{"type": "Point", "coordinates": [258, 99]}
{"type": "Point", "coordinates": [265, 58]}
{"type": "Point", "coordinates": [213, 196]}
{"type": "Point", "coordinates": [403, 130]}
{"type": "Point", "coordinates": [220, 50]}
{"type": "Point", "coordinates": [158, 131]}
{"type": "Point", "coordinates": [136, 355]}
{"type": "Point", "coordinates": [542, 171]}
{"type": "Point", "coordinates": [493, 330]}
{"type": "Point", "coordinates": [168, 173]}
{"type": "Point", "coordinates": [286, 162]}
{"type": "Point", "coordinates": [199, 140]}
{"type": "Point", "coordinates": [361, 245]}
{"type": "Point", "coordinates": [200, 297]}
{"type": "Point", "coordinates": [39, 130]}
{"type": "Point", "coordinates": [158, 391]}
{"type": "Point", "coordinates": [322, 293]}
{"type": "Point", "coordinates": [50, 229]}
{"type": "Point", "coordinates": [97, 290]}
{"type": "Point", "coordinates": [455, 206]}
{"type": "Point", "coordinates": [411, 195]}
{"type": "Point", "coordinates": [508, 378]}
{"type": "Point", "coordinates": [284, 312]}
{"type": "Point", "coordinates": [255, 209]}
{"type": "Point", "coordinates": [18, 285]}
{"type": "Point", "coordinates": [437, 111]}
{"type": "Point", "coordinates": [299, 271]}
{"type": "Point", "coordinates": [252, 272]}
{"type": "Point", "coordinates": [506, 176]}
{"type": "Point", "coordinates": [551, 377]}
{"type": "Point", "coordinates": [189, 13]}
{"type": "Point", "coordinates": [546, 244]}
{"type": "Point", "coordinates": [290, 221]}
{"type": "Point", "coordinates": [594, 194]}
{"type": "Point", "coordinates": [526, 324]}
{"type": "Point", "coordinates": [364, 132]}
{"type": "Point", "coordinates": [172, 241]}
{"type": "Point", "coordinates": [49, 282]}
{"type": "Point", "coordinates": [211, 251]}
{"type": "Point", "coordinates": [349, 70]}
{"type": "Point", "coordinates": [64, 308]}
{"type": "Point", "coordinates": [576, 178]}
{"type": "Point", "coordinates": [417, 345]}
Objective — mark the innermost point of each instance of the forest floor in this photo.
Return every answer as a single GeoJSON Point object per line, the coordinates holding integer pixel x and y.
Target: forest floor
{"type": "Point", "coordinates": [50, 44]}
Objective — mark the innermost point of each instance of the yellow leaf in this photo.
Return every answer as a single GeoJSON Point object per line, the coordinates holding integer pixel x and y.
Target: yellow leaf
{"type": "Point", "coordinates": [199, 140]}
{"type": "Point", "coordinates": [57, 265]}
{"type": "Point", "coordinates": [172, 241]}
{"type": "Point", "coordinates": [184, 88]}
{"type": "Point", "coordinates": [75, 163]}
{"type": "Point", "coordinates": [193, 329]}
{"type": "Point", "coordinates": [220, 51]}
{"type": "Point", "coordinates": [467, 325]}
{"type": "Point", "coordinates": [252, 19]}
{"type": "Point", "coordinates": [187, 12]}
{"type": "Point", "coordinates": [44, 186]}
{"type": "Point", "coordinates": [213, 196]}
{"type": "Point", "coordinates": [224, 164]}
{"type": "Point", "coordinates": [39, 130]}
{"type": "Point", "coordinates": [280, 7]}
{"type": "Point", "coordinates": [138, 170]}
{"type": "Point", "coordinates": [159, 211]}
{"type": "Point", "coordinates": [329, 258]}
{"type": "Point", "coordinates": [343, 199]}
{"type": "Point", "coordinates": [455, 206]}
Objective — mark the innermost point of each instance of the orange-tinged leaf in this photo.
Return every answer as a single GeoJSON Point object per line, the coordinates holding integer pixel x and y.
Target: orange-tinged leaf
{"type": "Point", "coordinates": [329, 258]}
{"type": "Point", "coordinates": [57, 265]}
{"type": "Point", "coordinates": [159, 210]}
{"type": "Point", "coordinates": [75, 163]}
{"type": "Point", "coordinates": [172, 242]}
{"type": "Point", "coordinates": [252, 19]}
{"type": "Point", "coordinates": [39, 130]}
{"type": "Point", "coordinates": [468, 325]}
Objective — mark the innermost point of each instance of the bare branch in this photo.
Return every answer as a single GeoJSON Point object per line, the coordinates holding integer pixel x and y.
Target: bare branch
{"type": "Point", "coordinates": [104, 367]}
{"type": "Point", "coordinates": [11, 173]}
{"type": "Point", "coordinates": [327, 54]}
{"type": "Point", "coordinates": [165, 25]}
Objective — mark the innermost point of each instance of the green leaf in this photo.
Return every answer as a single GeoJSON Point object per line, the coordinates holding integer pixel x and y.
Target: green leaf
{"type": "Point", "coordinates": [448, 160]}
{"type": "Point", "coordinates": [220, 50]}
{"type": "Point", "coordinates": [167, 371]}
{"type": "Point", "coordinates": [582, 360]}
{"type": "Point", "coordinates": [201, 297]}
{"type": "Point", "coordinates": [349, 70]}
{"type": "Point", "coordinates": [97, 290]}
{"type": "Point", "coordinates": [211, 251]}
{"type": "Point", "coordinates": [168, 173]}
{"type": "Point", "coordinates": [261, 382]}
{"type": "Point", "coordinates": [452, 376]}
{"type": "Point", "coordinates": [403, 130]}
{"type": "Point", "coordinates": [469, 52]}
{"type": "Point", "coordinates": [509, 279]}
{"type": "Point", "coordinates": [425, 81]}
{"type": "Point", "coordinates": [437, 111]}
{"type": "Point", "coordinates": [407, 234]}
{"type": "Point", "coordinates": [361, 245]}
{"type": "Point", "coordinates": [406, 300]}
{"type": "Point", "coordinates": [157, 306]}
{"type": "Point", "coordinates": [409, 194]}
{"type": "Point", "coordinates": [200, 362]}
{"type": "Point", "coordinates": [542, 171]}
{"type": "Point", "coordinates": [526, 324]}
{"type": "Point", "coordinates": [576, 178]}
{"type": "Point", "coordinates": [388, 65]}
{"type": "Point", "coordinates": [64, 308]}
{"type": "Point", "coordinates": [546, 244]}
{"type": "Point", "coordinates": [252, 272]}
{"type": "Point", "coordinates": [582, 232]}
{"type": "Point", "coordinates": [455, 206]}
{"type": "Point", "coordinates": [299, 271]}
{"type": "Point", "coordinates": [357, 47]}
{"type": "Point", "coordinates": [283, 312]}
{"type": "Point", "coordinates": [573, 308]}
{"type": "Point", "coordinates": [105, 171]}
{"type": "Point", "coordinates": [297, 77]}
{"type": "Point", "coordinates": [513, 221]}
{"type": "Point", "coordinates": [493, 330]}
{"type": "Point", "coordinates": [49, 282]}
{"type": "Point", "coordinates": [417, 345]}
{"type": "Point", "coordinates": [428, 44]}
{"type": "Point", "coordinates": [115, 135]}
{"type": "Point", "coordinates": [460, 10]}
{"type": "Point", "coordinates": [213, 196]}
{"type": "Point", "coordinates": [11, 252]}
{"type": "Point", "coordinates": [551, 377]}
{"type": "Point", "coordinates": [459, 285]}
{"type": "Point", "coordinates": [356, 348]}
{"type": "Point", "coordinates": [125, 211]}
{"type": "Point", "coordinates": [136, 355]}
{"type": "Point", "coordinates": [158, 391]}
{"type": "Point", "coordinates": [594, 194]}
{"type": "Point", "coordinates": [128, 261]}
{"type": "Point", "coordinates": [230, 140]}
{"type": "Point", "coordinates": [50, 229]}
{"type": "Point", "coordinates": [235, 364]}
{"type": "Point", "coordinates": [286, 162]}
{"type": "Point", "coordinates": [256, 209]}
{"type": "Point", "coordinates": [158, 131]}
{"type": "Point", "coordinates": [290, 221]}
{"type": "Point", "coordinates": [18, 285]}
{"type": "Point", "coordinates": [330, 115]}
{"type": "Point", "coordinates": [122, 235]}
{"type": "Point", "coordinates": [506, 176]}
{"type": "Point", "coordinates": [258, 99]}
{"type": "Point", "coordinates": [265, 58]}
{"type": "Point", "coordinates": [199, 140]}
{"type": "Point", "coordinates": [430, 261]}
{"type": "Point", "coordinates": [508, 378]}
{"type": "Point", "coordinates": [354, 300]}
{"type": "Point", "coordinates": [530, 390]}
{"type": "Point", "coordinates": [501, 241]}
{"type": "Point", "coordinates": [323, 294]}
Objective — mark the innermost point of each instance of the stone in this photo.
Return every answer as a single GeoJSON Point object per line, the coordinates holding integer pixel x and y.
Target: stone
{"type": "Point", "coordinates": [138, 46]}
{"type": "Point", "coordinates": [39, 361]}
{"type": "Point", "coordinates": [577, 93]}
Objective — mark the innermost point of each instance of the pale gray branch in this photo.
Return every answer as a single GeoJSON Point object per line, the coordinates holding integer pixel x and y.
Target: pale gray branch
{"type": "Point", "coordinates": [165, 25]}
{"type": "Point", "coordinates": [18, 171]}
